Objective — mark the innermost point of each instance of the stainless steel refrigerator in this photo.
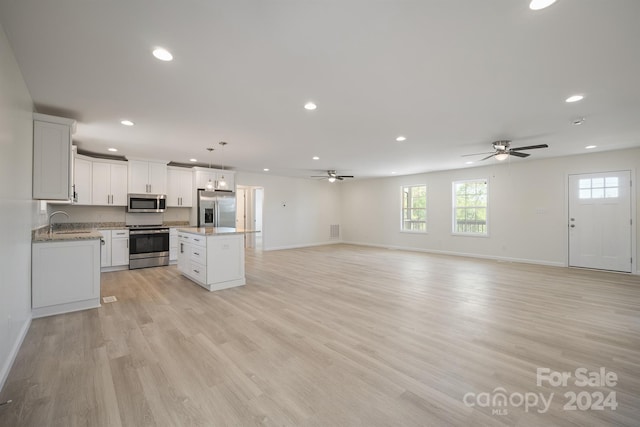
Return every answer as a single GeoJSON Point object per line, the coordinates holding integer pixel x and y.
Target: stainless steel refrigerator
{"type": "Point", "coordinates": [216, 209]}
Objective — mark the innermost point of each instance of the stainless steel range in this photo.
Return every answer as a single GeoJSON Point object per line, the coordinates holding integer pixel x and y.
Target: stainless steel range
{"type": "Point", "coordinates": [148, 240]}
{"type": "Point", "coordinates": [148, 246]}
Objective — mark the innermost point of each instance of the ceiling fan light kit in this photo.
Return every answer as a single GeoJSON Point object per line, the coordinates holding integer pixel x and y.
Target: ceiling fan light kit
{"type": "Point", "coordinates": [502, 150]}
{"type": "Point", "coordinates": [332, 176]}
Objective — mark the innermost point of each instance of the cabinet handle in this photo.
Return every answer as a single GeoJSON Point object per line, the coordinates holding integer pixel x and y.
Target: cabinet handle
{"type": "Point", "coordinates": [196, 271]}
{"type": "Point", "coordinates": [196, 253]}
{"type": "Point", "coordinates": [181, 248]}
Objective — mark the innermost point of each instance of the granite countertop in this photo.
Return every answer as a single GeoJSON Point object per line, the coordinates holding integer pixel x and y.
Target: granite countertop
{"type": "Point", "coordinates": [84, 230]}
{"type": "Point", "coordinates": [215, 231]}
{"type": "Point", "coordinates": [66, 235]}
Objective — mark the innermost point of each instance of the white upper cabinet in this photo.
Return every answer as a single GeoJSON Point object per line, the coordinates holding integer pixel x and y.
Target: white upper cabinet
{"type": "Point", "coordinates": [82, 177]}
{"type": "Point", "coordinates": [52, 160]}
{"type": "Point", "coordinates": [179, 187]}
{"type": "Point", "coordinates": [147, 177]}
{"type": "Point", "coordinates": [109, 183]}
{"type": "Point", "coordinates": [217, 177]}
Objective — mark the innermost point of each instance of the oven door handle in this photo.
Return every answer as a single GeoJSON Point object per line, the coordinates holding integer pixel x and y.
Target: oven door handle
{"type": "Point", "coordinates": [138, 232]}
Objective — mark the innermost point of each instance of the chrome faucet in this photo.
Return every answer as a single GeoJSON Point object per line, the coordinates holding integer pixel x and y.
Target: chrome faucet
{"type": "Point", "coordinates": [51, 216]}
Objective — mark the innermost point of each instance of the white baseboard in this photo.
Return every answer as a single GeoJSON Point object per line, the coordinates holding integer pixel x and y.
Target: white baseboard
{"type": "Point", "coordinates": [461, 254]}
{"type": "Point", "coordinates": [307, 245]}
{"type": "Point", "coordinates": [6, 368]}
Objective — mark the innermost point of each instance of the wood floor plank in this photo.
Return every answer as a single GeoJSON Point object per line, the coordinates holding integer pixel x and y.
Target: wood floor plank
{"type": "Point", "coordinates": [337, 335]}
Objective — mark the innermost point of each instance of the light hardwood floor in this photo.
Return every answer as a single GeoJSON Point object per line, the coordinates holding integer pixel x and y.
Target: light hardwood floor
{"type": "Point", "coordinates": [332, 336]}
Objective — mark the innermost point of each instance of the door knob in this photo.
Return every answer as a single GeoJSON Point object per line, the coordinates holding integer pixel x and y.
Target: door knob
{"type": "Point", "coordinates": [572, 225]}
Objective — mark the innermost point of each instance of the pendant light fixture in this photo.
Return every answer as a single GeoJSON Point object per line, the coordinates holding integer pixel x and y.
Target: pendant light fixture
{"type": "Point", "coordinates": [210, 185]}
{"type": "Point", "coordinates": [222, 183]}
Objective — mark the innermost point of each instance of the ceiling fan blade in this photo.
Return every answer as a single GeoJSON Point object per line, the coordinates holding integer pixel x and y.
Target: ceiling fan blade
{"type": "Point", "coordinates": [517, 154]}
{"type": "Point", "coordinates": [476, 154]}
{"type": "Point", "coordinates": [530, 147]}
{"type": "Point", "coordinates": [344, 176]}
{"type": "Point", "coordinates": [488, 157]}
{"type": "Point", "coordinates": [319, 176]}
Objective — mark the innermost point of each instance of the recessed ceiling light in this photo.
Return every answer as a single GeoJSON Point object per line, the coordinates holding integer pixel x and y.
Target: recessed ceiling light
{"type": "Point", "coordinates": [162, 54]}
{"type": "Point", "coordinates": [540, 4]}
{"type": "Point", "coordinates": [578, 121]}
{"type": "Point", "coordinates": [393, 173]}
{"type": "Point", "coordinates": [589, 147]}
{"type": "Point", "coordinates": [266, 169]}
{"type": "Point", "coordinates": [310, 106]}
{"type": "Point", "coordinates": [468, 163]}
{"type": "Point", "coordinates": [574, 98]}
{"type": "Point", "coordinates": [193, 160]}
{"type": "Point", "coordinates": [127, 122]}
{"type": "Point", "coordinates": [112, 149]}
{"type": "Point", "coordinates": [401, 138]}
{"type": "Point", "coordinates": [316, 158]}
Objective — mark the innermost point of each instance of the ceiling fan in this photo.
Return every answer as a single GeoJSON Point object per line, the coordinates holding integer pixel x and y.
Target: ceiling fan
{"type": "Point", "coordinates": [332, 176]}
{"type": "Point", "coordinates": [502, 150]}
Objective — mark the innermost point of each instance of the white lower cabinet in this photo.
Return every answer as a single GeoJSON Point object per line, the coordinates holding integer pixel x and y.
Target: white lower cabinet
{"type": "Point", "coordinates": [65, 276]}
{"type": "Point", "coordinates": [214, 261]}
{"type": "Point", "coordinates": [173, 245]}
{"type": "Point", "coordinates": [105, 251]}
{"type": "Point", "coordinates": [119, 248]}
{"type": "Point", "coordinates": [115, 249]}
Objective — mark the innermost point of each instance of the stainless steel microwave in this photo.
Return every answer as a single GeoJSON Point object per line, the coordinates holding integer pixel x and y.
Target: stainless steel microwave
{"type": "Point", "coordinates": [146, 202]}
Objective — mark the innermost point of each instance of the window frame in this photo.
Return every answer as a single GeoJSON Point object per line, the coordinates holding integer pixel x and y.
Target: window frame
{"type": "Point", "coordinates": [454, 207]}
{"type": "Point", "coordinates": [402, 209]}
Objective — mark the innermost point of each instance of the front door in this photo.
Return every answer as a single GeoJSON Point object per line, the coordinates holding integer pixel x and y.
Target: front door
{"type": "Point", "coordinates": [600, 221]}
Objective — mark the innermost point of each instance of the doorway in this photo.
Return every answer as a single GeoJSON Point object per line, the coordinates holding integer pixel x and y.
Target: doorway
{"type": "Point", "coordinates": [600, 226]}
{"type": "Point", "coordinates": [249, 214]}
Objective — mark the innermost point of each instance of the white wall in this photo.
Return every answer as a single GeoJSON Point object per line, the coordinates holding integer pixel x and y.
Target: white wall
{"type": "Point", "coordinates": [296, 211]}
{"type": "Point", "coordinates": [18, 213]}
{"type": "Point", "coordinates": [527, 208]}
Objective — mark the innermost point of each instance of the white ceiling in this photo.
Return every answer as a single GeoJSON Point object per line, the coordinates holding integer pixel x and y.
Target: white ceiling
{"type": "Point", "coordinates": [450, 75]}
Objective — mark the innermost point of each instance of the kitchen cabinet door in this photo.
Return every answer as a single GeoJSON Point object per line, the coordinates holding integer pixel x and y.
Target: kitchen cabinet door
{"type": "Point", "coordinates": [105, 248]}
{"type": "Point", "coordinates": [203, 177]}
{"type": "Point", "coordinates": [179, 188]}
{"type": "Point", "coordinates": [82, 170]}
{"type": "Point", "coordinates": [229, 178]}
{"type": "Point", "coordinates": [52, 158]}
{"type": "Point", "coordinates": [173, 244]}
{"type": "Point", "coordinates": [118, 184]}
{"type": "Point", "coordinates": [147, 177]}
{"type": "Point", "coordinates": [119, 247]}
{"type": "Point", "coordinates": [157, 178]}
{"type": "Point", "coordinates": [101, 183]}
{"type": "Point", "coordinates": [184, 254]}
{"type": "Point", "coordinates": [109, 184]}
{"type": "Point", "coordinates": [138, 177]}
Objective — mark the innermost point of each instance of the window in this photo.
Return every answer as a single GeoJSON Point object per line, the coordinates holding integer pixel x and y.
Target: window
{"type": "Point", "coordinates": [414, 208]}
{"type": "Point", "coordinates": [470, 207]}
{"type": "Point", "coordinates": [598, 188]}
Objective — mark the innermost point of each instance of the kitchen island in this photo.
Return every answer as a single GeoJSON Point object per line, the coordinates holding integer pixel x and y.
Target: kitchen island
{"type": "Point", "coordinates": [212, 257]}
